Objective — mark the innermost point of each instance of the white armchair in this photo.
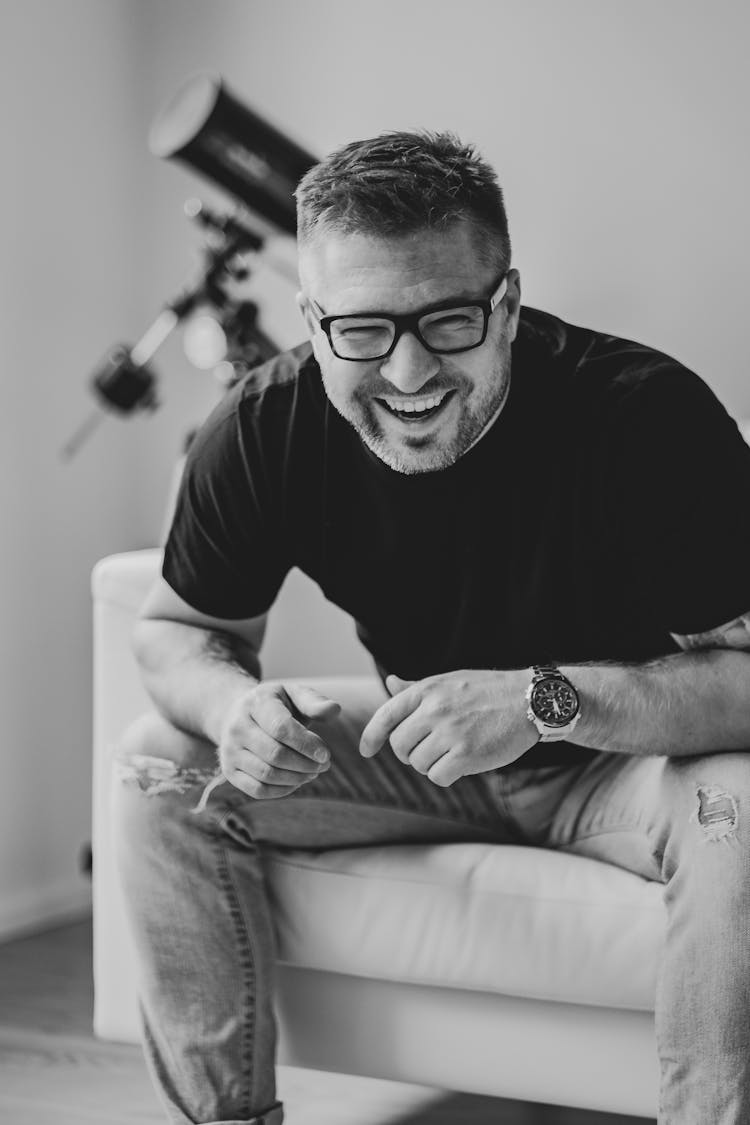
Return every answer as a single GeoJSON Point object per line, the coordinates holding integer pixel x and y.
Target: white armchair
{"type": "Point", "coordinates": [501, 970]}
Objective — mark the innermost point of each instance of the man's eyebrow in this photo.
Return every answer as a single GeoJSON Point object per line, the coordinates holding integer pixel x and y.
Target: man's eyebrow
{"type": "Point", "coordinates": [454, 301]}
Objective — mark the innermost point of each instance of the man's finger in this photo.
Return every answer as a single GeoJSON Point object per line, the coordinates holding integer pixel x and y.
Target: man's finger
{"type": "Point", "coordinates": [258, 790]}
{"type": "Point", "coordinates": [445, 771]}
{"type": "Point", "coordinates": [409, 734]}
{"type": "Point", "coordinates": [426, 754]}
{"type": "Point", "coordinates": [272, 714]}
{"type": "Point", "coordinates": [386, 719]}
{"type": "Point", "coordinates": [395, 684]}
{"type": "Point", "coordinates": [260, 745]}
{"type": "Point", "coordinates": [312, 703]}
{"type": "Point", "coordinates": [272, 774]}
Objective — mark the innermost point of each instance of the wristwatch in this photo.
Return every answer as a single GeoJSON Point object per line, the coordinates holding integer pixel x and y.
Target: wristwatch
{"type": "Point", "coordinates": [554, 705]}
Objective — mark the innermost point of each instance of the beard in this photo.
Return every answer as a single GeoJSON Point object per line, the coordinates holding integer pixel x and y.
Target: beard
{"type": "Point", "coordinates": [437, 448]}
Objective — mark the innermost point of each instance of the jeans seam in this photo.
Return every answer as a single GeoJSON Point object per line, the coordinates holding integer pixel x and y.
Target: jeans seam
{"type": "Point", "coordinates": [407, 808]}
{"type": "Point", "coordinates": [388, 806]}
{"type": "Point", "coordinates": [247, 962]}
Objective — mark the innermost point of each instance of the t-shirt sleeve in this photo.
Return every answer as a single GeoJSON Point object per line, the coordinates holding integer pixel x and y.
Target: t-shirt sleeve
{"type": "Point", "coordinates": [683, 486]}
{"type": "Point", "coordinates": [224, 554]}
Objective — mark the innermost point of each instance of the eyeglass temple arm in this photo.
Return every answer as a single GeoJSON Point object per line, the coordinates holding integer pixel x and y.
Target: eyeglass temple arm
{"type": "Point", "coordinates": [315, 309]}
{"type": "Point", "coordinates": [499, 293]}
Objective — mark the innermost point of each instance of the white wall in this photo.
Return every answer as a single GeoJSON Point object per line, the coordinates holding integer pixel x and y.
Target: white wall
{"type": "Point", "coordinates": [68, 212]}
{"type": "Point", "coordinates": [618, 129]}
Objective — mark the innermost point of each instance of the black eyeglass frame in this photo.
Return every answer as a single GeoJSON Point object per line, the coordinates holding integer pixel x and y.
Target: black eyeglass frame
{"type": "Point", "coordinates": [409, 322]}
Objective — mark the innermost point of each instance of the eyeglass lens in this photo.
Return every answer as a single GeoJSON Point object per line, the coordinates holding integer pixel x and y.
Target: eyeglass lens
{"type": "Point", "coordinates": [370, 337]}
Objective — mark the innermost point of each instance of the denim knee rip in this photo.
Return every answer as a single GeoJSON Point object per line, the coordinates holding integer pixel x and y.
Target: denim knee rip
{"type": "Point", "coordinates": [154, 776]}
{"type": "Point", "coordinates": [717, 813]}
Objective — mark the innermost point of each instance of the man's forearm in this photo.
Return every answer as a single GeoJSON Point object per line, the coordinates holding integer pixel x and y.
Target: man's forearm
{"type": "Point", "coordinates": [193, 674]}
{"type": "Point", "coordinates": [689, 703]}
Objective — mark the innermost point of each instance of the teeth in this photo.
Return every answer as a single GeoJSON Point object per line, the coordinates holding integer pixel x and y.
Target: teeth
{"type": "Point", "coordinates": [413, 405]}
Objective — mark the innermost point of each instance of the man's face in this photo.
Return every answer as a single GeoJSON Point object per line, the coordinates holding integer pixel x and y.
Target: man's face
{"type": "Point", "coordinates": [352, 273]}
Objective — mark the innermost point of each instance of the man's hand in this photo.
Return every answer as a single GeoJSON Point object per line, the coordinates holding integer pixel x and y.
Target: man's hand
{"type": "Point", "coordinates": [265, 749]}
{"type": "Point", "coordinates": [454, 724]}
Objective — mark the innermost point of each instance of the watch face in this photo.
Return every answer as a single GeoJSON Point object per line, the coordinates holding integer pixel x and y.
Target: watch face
{"type": "Point", "coordinates": [555, 702]}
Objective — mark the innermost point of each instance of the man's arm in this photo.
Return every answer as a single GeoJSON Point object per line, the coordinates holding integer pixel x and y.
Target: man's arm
{"type": "Point", "coordinates": [693, 702]}
{"type": "Point", "coordinates": [194, 666]}
{"type": "Point", "coordinates": [203, 674]}
{"type": "Point", "coordinates": [458, 723]}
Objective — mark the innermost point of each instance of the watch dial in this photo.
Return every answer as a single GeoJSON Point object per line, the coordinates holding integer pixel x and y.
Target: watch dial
{"type": "Point", "coordinates": [554, 702]}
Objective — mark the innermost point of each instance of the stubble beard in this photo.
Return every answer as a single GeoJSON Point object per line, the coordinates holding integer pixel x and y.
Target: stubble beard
{"type": "Point", "coordinates": [429, 453]}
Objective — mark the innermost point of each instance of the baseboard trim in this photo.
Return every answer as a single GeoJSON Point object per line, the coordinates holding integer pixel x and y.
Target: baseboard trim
{"type": "Point", "coordinates": [42, 908]}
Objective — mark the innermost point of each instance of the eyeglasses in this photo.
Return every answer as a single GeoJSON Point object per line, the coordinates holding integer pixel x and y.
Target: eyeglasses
{"type": "Point", "coordinates": [443, 328]}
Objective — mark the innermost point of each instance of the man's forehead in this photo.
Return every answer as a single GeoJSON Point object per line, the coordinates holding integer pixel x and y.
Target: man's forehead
{"type": "Point", "coordinates": [412, 269]}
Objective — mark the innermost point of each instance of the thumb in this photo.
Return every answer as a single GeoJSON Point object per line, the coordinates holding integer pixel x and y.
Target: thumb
{"type": "Point", "coordinates": [310, 702]}
{"type": "Point", "coordinates": [395, 684]}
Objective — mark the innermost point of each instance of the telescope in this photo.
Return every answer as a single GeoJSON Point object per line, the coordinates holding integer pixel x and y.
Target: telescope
{"type": "Point", "coordinates": [207, 129]}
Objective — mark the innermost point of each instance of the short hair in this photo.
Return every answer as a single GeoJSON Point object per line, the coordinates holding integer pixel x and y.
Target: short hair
{"type": "Point", "coordinates": [400, 183]}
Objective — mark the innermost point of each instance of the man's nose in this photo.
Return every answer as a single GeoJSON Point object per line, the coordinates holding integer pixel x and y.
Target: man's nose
{"type": "Point", "coordinates": [410, 365]}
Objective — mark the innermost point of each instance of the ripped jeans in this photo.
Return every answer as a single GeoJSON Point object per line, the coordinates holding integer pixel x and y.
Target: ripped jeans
{"type": "Point", "coordinates": [194, 890]}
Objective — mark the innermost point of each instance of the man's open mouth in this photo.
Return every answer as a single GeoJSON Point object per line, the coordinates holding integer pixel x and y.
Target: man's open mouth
{"type": "Point", "coordinates": [416, 409]}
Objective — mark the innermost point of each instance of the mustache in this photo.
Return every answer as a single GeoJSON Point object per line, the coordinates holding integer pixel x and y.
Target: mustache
{"type": "Point", "coordinates": [389, 391]}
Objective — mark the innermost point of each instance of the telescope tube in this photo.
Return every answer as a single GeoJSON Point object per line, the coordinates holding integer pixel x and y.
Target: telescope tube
{"type": "Point", "coordinates": [205, 127]}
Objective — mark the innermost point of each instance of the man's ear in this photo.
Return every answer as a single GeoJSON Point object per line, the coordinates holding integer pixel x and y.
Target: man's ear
{"type": "Point", "coordinates": [513, 302]}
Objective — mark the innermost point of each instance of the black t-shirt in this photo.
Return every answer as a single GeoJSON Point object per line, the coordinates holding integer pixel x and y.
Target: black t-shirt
{"type": "Point", "coordinates": [606, 508]}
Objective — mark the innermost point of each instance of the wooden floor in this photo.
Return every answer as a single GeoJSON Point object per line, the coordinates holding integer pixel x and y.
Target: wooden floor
{"type": "Point", "coordinates": [53, 1071]}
